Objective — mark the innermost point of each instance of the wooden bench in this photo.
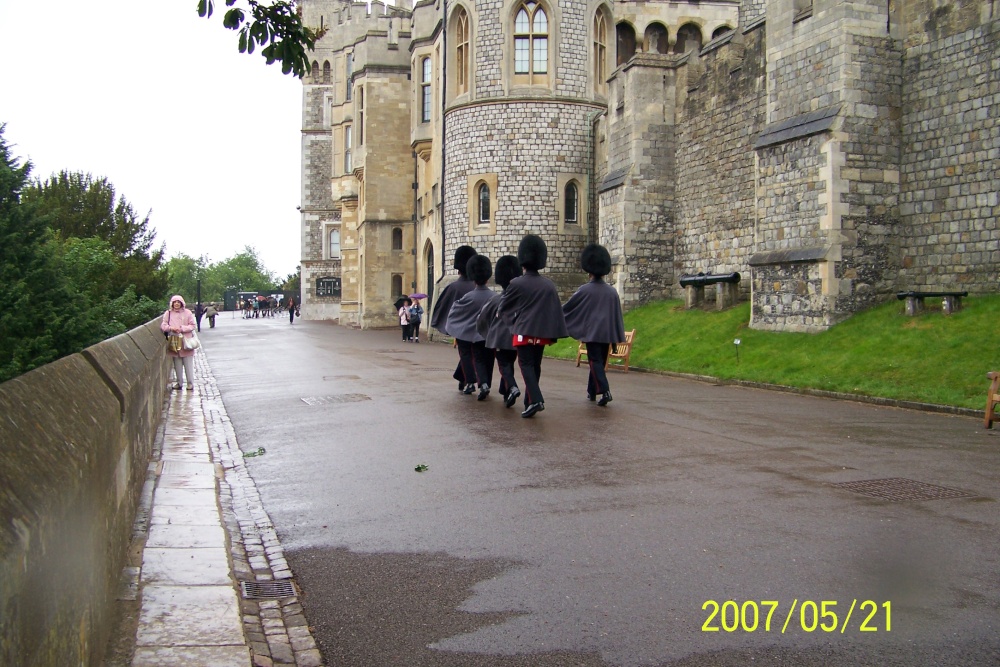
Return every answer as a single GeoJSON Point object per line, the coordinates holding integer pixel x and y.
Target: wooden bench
{"type": "Point", "coordinates": [619, 353]}
{"type": "Point", "coordinates": [951, 301]}
{"type": "Point", "coordinates": [992, 398]}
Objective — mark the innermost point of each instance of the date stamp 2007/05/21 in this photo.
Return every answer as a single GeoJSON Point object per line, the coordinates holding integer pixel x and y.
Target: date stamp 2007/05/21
{"type": "Point", "coordinates": [811, 616]}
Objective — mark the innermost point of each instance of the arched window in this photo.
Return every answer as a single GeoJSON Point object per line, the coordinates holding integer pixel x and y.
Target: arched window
{"type": "Point", "coordinates": [571, 204]}
{"type": "Point", "coordinates": [720, 31]}
{"type": "Point", "coordinates": [334, 243]}
{"type": "Point", "coordinates": [425, 90]}
{"type": "Point", "coordinates": [314, 72]}
{"type": "Point", "coordinates": [531, 44]}
{"type": "Point", "coordinates": [397, 284]}
{"type": "Point", "coordinates": [600, 54]}
{"type": "Point", "coordinates": [688, 39]}
{"type": "Point", "coordinates": [397, 238]}
{"type": "Point", "coordinates": [484, 204]}
{"type": "Point", "coordinates": [626, 43]}
{"type": "Point", "coordinates": [461, 52]}
{"type": "Point", "coordinates": [656, 38]}
{"type": "Point", "coordinates": [326, 71]}
{"type": "Point", "coordinates": [348, 164]}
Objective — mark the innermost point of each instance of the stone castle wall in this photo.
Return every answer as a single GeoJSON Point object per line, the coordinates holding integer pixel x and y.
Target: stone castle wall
{"type": "Point", "coordinates": [950, 180]}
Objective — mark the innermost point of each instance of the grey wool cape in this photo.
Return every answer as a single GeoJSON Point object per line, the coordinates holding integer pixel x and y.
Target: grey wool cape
{"type": "Point", "coordinates": [530, 307]}
{"type": "Point", "coordinates": [463, 314]}
{"type": "Point", "coordinates": [594, 314]}
{"type": "Point", "coordinates": [493, 328]}
{"type": "Point", "coordinates": [449, 295]}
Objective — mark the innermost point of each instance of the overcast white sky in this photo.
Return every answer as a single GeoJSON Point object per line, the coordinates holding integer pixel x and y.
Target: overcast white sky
{"type": "Point", "coordinates": [161, 102]}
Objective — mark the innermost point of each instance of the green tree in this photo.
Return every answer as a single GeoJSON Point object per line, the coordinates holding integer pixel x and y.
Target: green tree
{"type": "Point", "coordinates": [276, 26]}
{"type": "Point", "coordinates": [43, 317]}
{"type": "Point", "coordinates": [77, 205]}
{"type": "Point", "coordinates": [293, 281]}
{"type": "Point", "coordinates": [246, 272]}
{"type": "Point", "coordinates": [184, 272]}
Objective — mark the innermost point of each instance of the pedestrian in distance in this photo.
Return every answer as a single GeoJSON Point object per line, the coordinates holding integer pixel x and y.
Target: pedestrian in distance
{"type": "Point", "coordinates": [211, 313]}
{"type": "Point", "coordinates": [594, 317]}
{"type": "Point", "coordinates": [404, 318]}
{"type": "Point", "coordinates": [416, 316]}
{"type": "Point", "coordinates": [291, 309]}
{"type": "Point", "coordinates": [497, 334]}
{"type": "Point", "coordinates": [473, 354]}
{"type": "Point", "coordinates": [199, 311]}
{"type": "Point", "coordinates": [178, 323]}
{"type": "Point", "coordinates": [530, 307]}
{"type": "Point", "coordinates": [449, 295]}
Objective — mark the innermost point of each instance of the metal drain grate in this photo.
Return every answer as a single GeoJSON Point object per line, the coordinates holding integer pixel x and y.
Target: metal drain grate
{"type": "Point", "coordinates": [269, 590]}
{"type": "Point", "coordinates": [898, 489]}
{"type": "Point", "coordinates": [331, 400]}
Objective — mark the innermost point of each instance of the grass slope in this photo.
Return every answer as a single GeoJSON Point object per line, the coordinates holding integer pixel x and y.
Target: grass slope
{"type": "Point", "coordinates": [931, 358]}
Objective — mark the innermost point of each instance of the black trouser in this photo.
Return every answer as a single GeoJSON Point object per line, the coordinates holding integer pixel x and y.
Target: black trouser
{"type": "Point", "coordinates": [466, 371]}
{"type": "Point", "coordinates": [505, 361]}
{"type": "Point", "coordinates": [406, 331]}
{"type": "Point", "coordinates": [291, 316]}
{"type": "Point", "coordinates": [482, 359]}
{"type": "Point", "coordinates": [597, 379]}
{"type": "Point", "coordinates": [415, 330]}
{"type": "Point", "coordinates": [529, 358]}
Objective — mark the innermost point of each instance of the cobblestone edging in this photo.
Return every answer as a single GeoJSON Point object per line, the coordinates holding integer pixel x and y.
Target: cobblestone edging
{"type": "Point", "coordinates": [277, 632]}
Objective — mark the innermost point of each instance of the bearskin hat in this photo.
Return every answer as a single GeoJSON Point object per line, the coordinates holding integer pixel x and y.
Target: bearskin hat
{"type": "Point", "coordinates": [479, 269]}
{"type": "Point", "coordinates": [532, 253]}
{"type": "Point", "coordinates": [596, 259]}
{"type": "Point", "coordinates": [462, 256]}
{"type": "Point", "coordinates": [507, 269]}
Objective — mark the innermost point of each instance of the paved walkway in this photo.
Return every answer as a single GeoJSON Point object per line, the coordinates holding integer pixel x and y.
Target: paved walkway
{"type": "Point", "coordinates": [214, 585]}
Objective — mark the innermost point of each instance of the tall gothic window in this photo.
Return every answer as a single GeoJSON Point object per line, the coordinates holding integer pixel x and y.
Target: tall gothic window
{"type": "Point", "coordinates": [350, 69]}
{"type": "Point", "coordinates": [462, 52]}
{"type": "Point", "coordinates": [334, 243]}
{"type": "Point", "coordinates": [571, 200]}
{"type": "Point", "coordinates": [531, 43]}
{"type": "Point", "coordinates": [600, 53]}
{"type": "Point", "coordinates": [484, 204]}
{"type": "Point", "coordinates": [326, 71]}
{"type": "Point", "coordinates": [348, 166]}
{"type": "Point", "coordinates": [425, 90]}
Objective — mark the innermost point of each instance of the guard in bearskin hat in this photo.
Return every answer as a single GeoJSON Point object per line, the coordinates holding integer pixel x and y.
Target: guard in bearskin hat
{"type": "Point", "coordinates": [594, 317]}
{"type": "Point", "coordinates": [497, 334]}
{"type": "Point", "coordinates": [449, 295]}
{"type": "Point", "coordinates": [530, 307]}
{"type": "Point", "coordinates": [475, 358]}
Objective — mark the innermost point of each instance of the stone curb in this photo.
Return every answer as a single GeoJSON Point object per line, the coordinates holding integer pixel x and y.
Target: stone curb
{"type": "Point", "coordinates": [276, 630]}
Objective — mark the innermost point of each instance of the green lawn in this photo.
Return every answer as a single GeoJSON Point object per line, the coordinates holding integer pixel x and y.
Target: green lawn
{"type": "Point", "coordinates": [931, 358]}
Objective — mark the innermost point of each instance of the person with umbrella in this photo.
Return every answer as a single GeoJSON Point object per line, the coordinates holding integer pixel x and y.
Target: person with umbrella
{"type": "Point", "coordinates": [404, 317]}
{"type": "Point", "coordinates": [416, 315]}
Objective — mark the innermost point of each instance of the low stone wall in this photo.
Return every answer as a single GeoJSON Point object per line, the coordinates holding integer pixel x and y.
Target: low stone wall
{"type": "Point", "coordinates": [76, 437]}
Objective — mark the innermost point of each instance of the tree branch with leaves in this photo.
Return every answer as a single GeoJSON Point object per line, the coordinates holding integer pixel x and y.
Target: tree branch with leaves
{"type": "Point", "coordinates": [276, 26]}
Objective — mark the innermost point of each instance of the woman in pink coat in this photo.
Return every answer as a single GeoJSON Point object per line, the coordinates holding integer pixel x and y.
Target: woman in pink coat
{"type": "Point", "coordinates": [179, 321]}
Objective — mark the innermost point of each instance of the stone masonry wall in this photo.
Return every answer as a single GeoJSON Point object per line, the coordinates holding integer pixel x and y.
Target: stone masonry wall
{"type": "Point", "coordinates": [527, 145]}
{"type": "Point", "coordinates": [950, 181]}
{"type": "Point", "coordinates": [722, 115]}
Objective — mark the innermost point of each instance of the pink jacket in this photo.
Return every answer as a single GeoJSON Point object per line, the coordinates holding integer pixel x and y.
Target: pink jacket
{"type": "Point", "coordinates": [183, 319]}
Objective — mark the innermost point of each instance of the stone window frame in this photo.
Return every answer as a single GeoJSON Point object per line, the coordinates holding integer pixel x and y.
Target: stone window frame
{"type": "Point", "coordinates": [532, 8]}
{"type": "Point", "coordinates": [395, 285]}
{"type": "Point", "coordinates": [348, 145]}
{"type": "Point", "coordinates": [332, 249]}
{"type": "Point", "coordinates": [426, 100]}
{"type": "Point", "coordinates": [461, 57]}
{"type": "Point", "coordinates": [397, 238]}
{"type": "Point", "coordinates": [582, 183]}
{"type": "Point", "coordinates": [601, 56]}
{"type": "Point", "coordinates": [348, 66]}
{"type": "Point", "coordinates": [474, 181]}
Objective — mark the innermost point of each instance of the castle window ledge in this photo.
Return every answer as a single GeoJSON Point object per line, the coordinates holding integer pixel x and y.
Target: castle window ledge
{"type": "Point", "coordinates": [796, 127]}
{"type": "Point", "coordinates": [789, 256]}
{"type": "Point", "coordinates": [803, 14]}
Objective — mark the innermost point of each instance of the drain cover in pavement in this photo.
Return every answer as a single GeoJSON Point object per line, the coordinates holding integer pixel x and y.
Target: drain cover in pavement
{"type": "Point", "coordinates": [899, 488]}
{"type": "Point", "coordinates": [256, 590]}
{"type": "Point", "coordinates": [338, 398]}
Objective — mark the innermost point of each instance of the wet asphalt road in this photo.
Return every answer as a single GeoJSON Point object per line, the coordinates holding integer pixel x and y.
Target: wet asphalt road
{"type": "Point", "coordinates": [596, 536]}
